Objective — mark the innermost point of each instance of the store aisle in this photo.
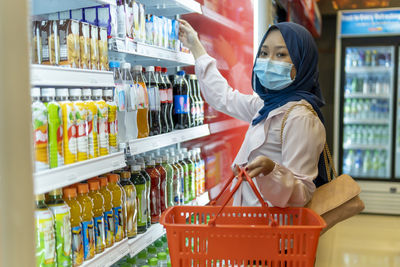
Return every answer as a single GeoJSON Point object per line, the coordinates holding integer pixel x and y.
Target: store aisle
{"type": "Point", "coordinates": [362, 241]}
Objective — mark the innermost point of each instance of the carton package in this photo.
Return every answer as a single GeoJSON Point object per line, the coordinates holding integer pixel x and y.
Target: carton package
{"type": "Point", "coordinates": [69, 43]}
{"type": "Point", "coordinates": [103, 49]}
{"type": "Point", "coordinates": [94, 47]}
{"type": "Point", "coordinates": [84, 43]}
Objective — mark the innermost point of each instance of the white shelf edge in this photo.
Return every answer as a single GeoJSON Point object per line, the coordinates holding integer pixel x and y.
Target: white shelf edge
{"type": "Point", "coordinates": [366, 121]}
{"type": "Point", "coordinates": [366, 147]}
{"type": "Point", "coordinates": [139, 146]}
{"type": "Point", "coordinates": [110, 255]}
{"type": "Point", "coordinates": [144, 240]}
{"type": "Point", "coordinates": [362, 95]}
{"type": "Point", "coordinates": [356, 70]}
{"type": "Point", "coordinates": [43, 75]}
{"type": "Point", "coordinates": [48, 180]}
{"type": "Point", "coordinates": [41, 7]}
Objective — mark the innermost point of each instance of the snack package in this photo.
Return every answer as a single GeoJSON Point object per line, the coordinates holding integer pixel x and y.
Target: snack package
{"type": "Point", "coordinates": [107, 17]}
{"type": "Point", "coordinates": [165, 32]}
{"type": "Point", "coordinates": [103, 49]}
{"type": "Point", "coordinates": [142, 23]}
{"type": "Point", "coordinates": [149, 29]}
{"type": "Point", "coordinates": [44, 36]}
{"type": "Point", "coordinates": [156, 33]}
{"type": "Point", "coordinates": [135, 26]}
{"type": "Point", "coordinates": [160, 29]}
{"type": "Point", "coordinates": [84, 43]}
{"type": "Point", "coordinates": [36, 43]}
{"type": "Point", "coordinates": [64, 15]}
{"type": "Point", "coordinates": [121, 19]}
{"type": "Point", "coordinates": [50, 42]}
{"type": "Point", "coordinates": [69, 43]}
{"type": "Point", "coordinates": [94, 47]}
{"type": "Point", "coordinates": [90, 15]}
{"type": "Point", "coordinates": [176, 35]}
{"type": "Point", "coordinates": [76, 14]}
{"type": "Point", "coordinates": [129, 18]}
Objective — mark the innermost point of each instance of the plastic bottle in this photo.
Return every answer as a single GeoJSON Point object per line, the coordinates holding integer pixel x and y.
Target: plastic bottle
{"type": "Point", "coordinates": [40, 131]}
{"type": "Point", "coordinates": [155, 198]}
{"type": "Point", "coordinates": [45, 237]}
{"type": "Point", "coordinates": [162, 259]}
{"type": "Point", "coordinates": [163, 93]}
{"type": "Point", "coordinates": [154, 101]}
{"type": "Point", "coordinates": [112, 122]}
{"type": "Point", "coordinates": [170, 99]}
{"type": "Point", "coordinates": [191, 175]}
{"type": "Point", "coordinates": [98, 218]}
{"type": "Point", "coordinates": [197, 170]}
{"type": "Point", "coordinates": [165, 243]}
{"type": "Point", "coordinates": [131, 108]}
{"type": "Point", "coordinates": [148, 188]}
{"type": "Point", "coordinates": [117, 201]}
{"type": "Point", "coordinates": [153, 262]}
{"type": "Point", "coordinates": [81, 114]}
{"type": "Point", "coordinates": [142, 258]}
{"type": "Point", "coordinates": [55, 128]}
{"type": "Point", "coordinates": [181, 102]}
{"type": "Point", "coordinates": [108, 212]}
{"type": "Point", "coordinates": [131, 205]}
{"type": "Point", "coordinates": [193, 107]}
{"type": "Point", "coordinates": [358, 163]}
{"type": "Point", "coordinates": [102, 122]}
{"type": "Point", "coordinates": [132, 262]}
{"type": "Point", "coordinates": [159, 246]}
{"type": "Point", "coordinates": [169, 180]}
{"type": "Point", "coordinates": [202, 172]}
{"type": "Point", "coordinates": [143, 102]}
{"type": "Point", "coordinates": [348, 163]}
{"type": "Point", "coordinates": [367, 164]}
{"type": "Point", "coordinates": [176, 192]}
{"type": "Point", "coordinates": [179, 165]}
{"type": "Point", "coordinates": [92, 120]}
{"type": "Point", "coordinates": [87, 221]}
{"type": "Point", "coordinates": [151, 252]}
{"type": "Point", "coordinates": [141, 198]}
{"type": "Point", "coordinates": [76, 228]}
{"type": "Point", "coordinates": [120, 99]}
{"type": "Point", "coordinates": [163, 184]}
{"type": "Point", "coordinates": [185, 182]}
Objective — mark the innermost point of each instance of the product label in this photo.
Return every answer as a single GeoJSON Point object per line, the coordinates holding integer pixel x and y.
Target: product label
{"type": "Point", "coordinates": [118, 223]}
{"type": "Point", "coordinates": [63, 234]}
{"type": "Point", "coordinates": [77, 246]}
{"type": "Point", "coordinates": [181, 104]}
{"type": "Point", "coordinates": [69, 137]}
{"type": "Point", "coordinates": [92, 129]}
{"type": "Point", "coordinates": [40, 135]}
{"type": "Point", "coordinates": [154, 98]}
{"type": "Point", "coordinates": [120, 97]}
{"type": "Point", "coordinates": [45, 239]}
{"type": "Point", "coordinates": [131, 213]}
{"type": "Point", "coordinates": [142, 96]}
{"type": "Point", "coordinates": [170, 95]}
{"type": "Point", "coordinates": [81, 127]}
{"type": "Point", "coordinates": [55, 136]}
{"type": "Point", "coordinates": [99, 236]}
{"type": "Point", "coordinates": [141, 204]}
{"type": "Point", "coordinates": [132, 98]}
{"type": "Point", "coordinates": [112, 126]}
{"type": "Point", "coordinates": [88, 239]}
{"type": "Point", "coordinates": [109, 228]}
{"type": "Point", "coordinates": [102, 126]}
{"type": "Point", "coordinates": [164, 95]}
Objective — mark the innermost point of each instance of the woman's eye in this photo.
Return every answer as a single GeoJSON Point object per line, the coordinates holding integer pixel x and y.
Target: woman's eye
{"type": "Point", "coordinates": [281, 54]}
{"type": "Point", "coordinates": [263, 54]}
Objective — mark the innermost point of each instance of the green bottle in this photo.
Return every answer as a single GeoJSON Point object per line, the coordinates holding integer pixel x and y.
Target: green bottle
{"type": "Point", "coordinates": [170, 180]}
{"type": "Point", "coordinates": [192, 175]}
{"type": "Point", "coordinates": [148, 187]}
{"type": "Point", "coordinates": [141, 198]}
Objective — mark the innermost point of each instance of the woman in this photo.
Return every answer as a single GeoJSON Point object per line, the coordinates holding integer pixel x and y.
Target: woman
{"type": "Point", "coordinates": [284, 74]}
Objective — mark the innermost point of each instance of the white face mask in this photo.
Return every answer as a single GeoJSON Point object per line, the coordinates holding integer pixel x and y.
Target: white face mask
{"type": "Point", "coordinates": [273, 75]}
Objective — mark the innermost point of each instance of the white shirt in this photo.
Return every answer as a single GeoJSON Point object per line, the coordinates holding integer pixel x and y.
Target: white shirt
{"type": "Point", "coordinates": [296, 160]}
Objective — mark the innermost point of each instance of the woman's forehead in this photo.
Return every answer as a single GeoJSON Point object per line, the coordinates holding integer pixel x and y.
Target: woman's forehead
{"type": "Point", "coordinates": [274, 40]}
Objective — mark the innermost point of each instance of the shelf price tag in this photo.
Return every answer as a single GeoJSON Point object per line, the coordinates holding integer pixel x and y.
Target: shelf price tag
{"type": "Point", "coordinates": [120, 45]}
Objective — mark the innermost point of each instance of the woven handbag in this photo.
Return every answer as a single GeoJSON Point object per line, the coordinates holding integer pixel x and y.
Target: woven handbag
{"type": "Point", "coordinates": [338, 199]}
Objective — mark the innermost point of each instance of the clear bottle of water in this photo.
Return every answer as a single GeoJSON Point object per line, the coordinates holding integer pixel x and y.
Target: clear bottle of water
{"type": "Point", "coordinates": [367, 164]}
{"type": "Point", "coordinates": [358, 163]}
{"type": "Point", "coordinates": [352, 134]}
{"type": "Point", "coordinates": [353, 109]}
{"type": "Point", "coordinates": [162, 259]}
{"type": "Point", "coordinates": [348, 163]}
{"type": "Point", "coordinates": [359, 136]}
{"type": "Point", "coordinates": [347, 109]}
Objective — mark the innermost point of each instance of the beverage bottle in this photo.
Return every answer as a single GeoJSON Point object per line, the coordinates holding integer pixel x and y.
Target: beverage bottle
{"type": "Point", "coordinates": [142, 258]}
{"type": "Point", "coordinates": [182, 171]}
{"type": "Point", "coordinates": [102, 121]}
{"type": "Point", "coordinates": [151, 252]}
{"type": "Point", "coordinates": [76, 228]}
{"type": "Point", "coordinates": [44, 234]}
{"type": "Point", "coordinates": [346, 109]}
{"type": "Point", "coordinates": [354, 88]}
{"type": "Point", "coordinates": [374, 58]}
{"type": "Point", "coordinates": [358, 163]}
{"type": "Point", "coordinates": [120, 99]}
{"type": "Point", "coordinates": [368, 163]}
{"type": "Point", "coordinates": [191, 174]}
{"type": "Point", "coordinates": [112, 123]}
{"type": "Point", "coordinates": [181, 102]}
{"type": "Point", "coordinates": [170, 180]}
{"type": "Point", "coordinates": [155, 198]}
{"type": "Point", "coordinates": [163, 184]}
{"type": "Point", "coordinates": [170, 97]}
{"type": "Point", "coordinates": [185, 183]}
{"type": "Point", "coordinates": [98, 215]}
{"type": "Point", "coordinates": [108, 212]}
{"type": "Point", "coordinates": [131, 108]}
{"type": "Point", "coordinates": [359, 107]}
{"type": "Point", "coordinates": [141, 198]}
{"type": "Point", "coordinates": [148, 188]}
{"type": "Point", "coordinates": [81, 114]}
{"type": "Point", "coordinates": [165, 242]}
{"type": "Point", "coordinates": [143, 102]}
{"type": "Point", "coordinates": [194, 108]}
{"type": "Point", "coordinates": [131, 205]}
{"type": "Point", "coordinates": [55, 128]}
{"type": "Point", "coordinates": [92, 120]}
{"type": "Point", "coordinates": [118, 203]}
{"type": "Point", "coordinates": [196, 174]}
{"type": "Point", "coordinates": [87, 221]}
{"type": "Point", "coordinates": [162, 259]}
{"type": "Point", "coordinates": [203, 172]}
{"type": "Point", "coordinates": [159, 246]}
{"type": "Point", "coordinates": [154, 101]}
{"type": "Point", "coordinates": [176, 185]}
{"type": "Point", "coordinates": [153, 262]}
{"type": "Point", "coordinates": [40, 131]}
{"type": "Point", "coordinates": [163, 94]}
{"type": "Point", "coordinates": [349, 162]}
{"type": "Point", "coordinates": [376, 162]}
{"type": "Point", "coordinates": [383, 163]}
{"type": "Point", "coordinates": [348, 58]}
{"type": "Point", "coordinates": [353, 109]}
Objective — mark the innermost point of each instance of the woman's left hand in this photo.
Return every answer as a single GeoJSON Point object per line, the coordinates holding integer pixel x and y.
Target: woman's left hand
{"type": "Point", "coordinates": [260, 165]}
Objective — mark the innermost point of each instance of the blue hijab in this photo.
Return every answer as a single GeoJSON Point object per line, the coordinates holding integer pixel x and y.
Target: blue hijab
{"type": "Point", "coordinates": [304, 54]}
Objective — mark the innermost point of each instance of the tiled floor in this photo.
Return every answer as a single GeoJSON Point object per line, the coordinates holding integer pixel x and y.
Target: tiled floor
{"type": "Point", "coordinates": [361, 241]}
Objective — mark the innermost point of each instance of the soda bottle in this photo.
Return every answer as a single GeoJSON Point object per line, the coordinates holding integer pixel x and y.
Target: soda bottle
{"type": "Point", "coordinates": [92, 113]}
{"type": "Point", "coordinates": [176, 185]}
{"type": "Point", "coordinates": [163, 184]}
{"type": "Point", "coordinates": [155, 198]}
{"type": "Point", "coordinates": [108, 212]}
{"type": "Point", "coordinates": [112, 122]}
{"type": "Point", "coordinates": [44, 230]}
{"type": "Point", "coordinates": [166, 163]}
{"type": "Point", "coordinates": [141, 198]}
{"type": "Point", "coordinates": [148, 188]}
{"type": "Point", "coordinates": [185, 183]}
{"type": "Point", "coordinates": [118, 203]}
{"type": "Point", "coordinates": [201, 172]}
{"type": "Point", "coordinates": [191, 175]}
{"type": "Point", "coordinates": [131, 108]}
{"type": "Point", "coordinates": [193, 107]}
{"type": "Point", "coordinates": [98, 215]}
{"type": "Point", "coordinates": [181, 102]}
{"type": "Point", "coordinates": [197, 170]}
{"type": "Point", "coordinates": [143, 102]}
{"type": "Point", "coordinates": [102, 121]}
{"type": "Point", "coordinates": [163, 93]}
{"type": "Point", "coordinates": [131, 205]}
{"type": "Point", "coordinates": [55, 128]}
{"type": "Point", "coordinates": [170, 97]}
{"type": "Point", "coordinates": [87, 221]}
{"type": "Point", "coordinates": [40, 131]}
{"type": "Point", "coordinates": [81, 113]}
{"type": "Point", "coordinates": [120, 100]}
{"type": "Point", "coordinates": [154, 101]}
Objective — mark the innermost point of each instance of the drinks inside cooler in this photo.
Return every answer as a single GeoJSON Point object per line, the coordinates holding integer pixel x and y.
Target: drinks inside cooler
{"type": "Point", "coordinates": [397, 155]}
{"type": "Point", "coordinates": [367, 111]}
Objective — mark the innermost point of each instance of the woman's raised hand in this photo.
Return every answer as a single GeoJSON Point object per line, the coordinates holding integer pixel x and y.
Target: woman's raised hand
{"type": "Point", "coordinates": [189, 38]}
{"type": "Point", "coordinates": [260, 165]}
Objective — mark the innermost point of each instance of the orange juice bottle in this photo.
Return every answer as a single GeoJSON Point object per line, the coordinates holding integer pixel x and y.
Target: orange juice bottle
{"type": "Point", "coordinates": [75, 95]}
{"type": "Point", "coordinates": [112, 120]}
{"type": "Point", "coordinates": [118, 203]}
{"type": "Point", "coordinates": [76, 227]}
{"type": "Point", "coordinates": [130, 202]}
{"type": "Point", "coordinates": [143, 102]}
{"type": "Point", "coordinates": [102, 121]}
{"type": "Point", "coordinates": [87, 221]}
{"type": "Point", "coordinates": [92, 112]}
{"type": "Point", "coordinates": [108, 212]}
{"type": "Point", "coordinates": [98, 212]}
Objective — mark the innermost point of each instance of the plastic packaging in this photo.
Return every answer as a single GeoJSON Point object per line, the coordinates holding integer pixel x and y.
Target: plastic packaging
{"type": "Point", "coordinates": [81, 114]}
{"type": "Point", "coordinates": [92, 120]}
{"type": "Point", "coordinates": [102, 121]}
{"type": "Point", "coordinates": [181, 102]}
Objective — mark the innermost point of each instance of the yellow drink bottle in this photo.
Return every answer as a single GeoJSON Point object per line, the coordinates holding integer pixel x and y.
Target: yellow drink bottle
{"type": "Point", "coordinates": [81, 114]}
{"type": "Point", "coordinates": [102, 117]}
{"type": "Point", "coordinates": [131, 206]}
{"type": "Point", "coordinates": [108, 212]}
{"type": "Point", "coordinates": [118, 211]}
{"type": "Point", "coordinates": [87, 221]}
{"type": "Point", "coordinates": [92, 128]}
{"type": "Point", "coordinates": [112, 120]}
{"type": "Point", "coordinates": [98, 212]}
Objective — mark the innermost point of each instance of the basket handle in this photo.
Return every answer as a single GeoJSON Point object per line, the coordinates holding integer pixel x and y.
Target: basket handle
{"type": "Point", "coordinates": [241, 177]}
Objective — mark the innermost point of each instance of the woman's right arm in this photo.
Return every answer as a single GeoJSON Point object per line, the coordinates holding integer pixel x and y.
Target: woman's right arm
{"type": "Point", "coordinates": [213, 85]}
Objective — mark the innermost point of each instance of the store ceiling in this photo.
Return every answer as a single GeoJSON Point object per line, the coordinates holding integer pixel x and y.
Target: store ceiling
{"type": "Point", "coordinates": [330, 7]}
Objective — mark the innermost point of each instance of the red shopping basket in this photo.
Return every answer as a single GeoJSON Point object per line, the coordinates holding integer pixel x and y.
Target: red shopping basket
{"type": "Point", "coordinates": [220, 236]}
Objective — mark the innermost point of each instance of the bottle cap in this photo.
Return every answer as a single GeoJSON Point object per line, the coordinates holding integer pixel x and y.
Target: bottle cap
{"type": "Point", "coordinates": [164, 239]}
{"type": "Point", "coordinates": [169, 264]}
{"type": "Point", "coordinates": [153, 262]}
{"type": "Point", "coordinates": [75, 92]}
{"type": "Point", "coordinates": [35, 92]}
{"type": "Point", "coordinates": [126, 175]}
{"type": "Point", "coordinates": [40, 197]}
{"type": "Point", "coordinates": [162, 256]}
{"type": "Point", "coordinates": [97, 92]}
{"type": "Point", "coordinates": [152, 250]}
{"type": "Point", "coordinates": [157, 68]}
{"type": "Point", "coordinates": [126, 65]}
{"type": "Point", "coordinates": [180, 73]}
{"type": "Point", "coordinates": [192, 77]}
{"type": "Point", "coordinates": [49, 92]}
{"type": "Point", "coordinates": [150, 68]}
{"type": "Point", "coordinates": [93, 179]}
{"type": "Point", "coordinates": [158, 244]}
{"type": "Point", "coordinates": [103, 181]}
{"type": "Point", "coordinates": [131, 260]}
{"type": "Point", "coordinates": [136, 168]}
{"type": "Point", "coordinates": [114, 64]}
{"type": "Point", "coordinates": [142, 254]}
{"type": "Point", "coordinates": [137, 67]}
{"type": "Point", "coordinates": [83, 188]}
{"type": "Point", "coordinates": [56, 192]}
{"type": "Point", "coordinates": [158, 160]}
{"type": "Point", "coordinates": [70, 192]}
{"type": "Point", "coordinates": [94, 185]}
{"type": "Point", "coordinates": [107, 92]}
{"type": "Point", "coordinates": [87, 92]}
{"type": "Point", "coordinates": [112, 178]}
{"type": "Point", "coordinates": [164, 70]}
{"type": "Point", "coordinates": [165, 158]}
{"type": "Point", "coordinates": [62, 92]}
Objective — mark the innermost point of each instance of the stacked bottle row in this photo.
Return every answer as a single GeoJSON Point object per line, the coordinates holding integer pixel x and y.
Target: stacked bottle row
{"type": "Point", "coordinates": [157, 255]}
{"type": "Point", "coordinates": [365, 163]}
{"type": "Point", "coordinates": [71, 125]}
{"type": "Point", "coordinates": [376, 85]}
{"type": "Point", "coordinates": [356, 57]}
{"type": "Point", "coordinates": [150, 104]}
{"type": "Point", "coordinates": [366, 135]}
{"type": "Point", "coordinates": [366, 109]}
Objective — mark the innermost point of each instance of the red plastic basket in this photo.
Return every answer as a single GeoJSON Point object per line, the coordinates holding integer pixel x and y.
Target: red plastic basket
{"type": "Point", "coordinates": [220, 236]}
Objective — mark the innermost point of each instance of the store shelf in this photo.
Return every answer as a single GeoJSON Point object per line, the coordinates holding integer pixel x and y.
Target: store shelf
{"type": "Point", "coordinates": [366, 121]}
{"type": "Point", "coordinates": [365, 147]}
{"type": "Point", "coordinates": [171, 8]}
{"type": "Point", "coordinates": [363, 70]}
{"type": "Point", "coordinates": [138, 146]}
{"type": "Point", "coordinates": [42, 75]}
{"type": "Point", "coordinates": [201, 200]}
{"type": "Point", "coordinates": [48, 180]}
{"type": "Point", "coordinates": [40, 7]}
{"type": "Point", "coordinates": [110, 255]}
{"type": "Point", "coordinates": [367, 96]}
{"type": "Point", "coordinates": [142, 241]}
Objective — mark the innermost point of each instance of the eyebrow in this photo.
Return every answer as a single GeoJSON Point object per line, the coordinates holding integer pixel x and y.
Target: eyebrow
{"type": "Point", "coordinates": [276, 47]}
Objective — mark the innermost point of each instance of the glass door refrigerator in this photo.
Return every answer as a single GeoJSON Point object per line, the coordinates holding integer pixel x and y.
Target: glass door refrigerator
{"type": "Point", "coordinates": [367, 117]}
